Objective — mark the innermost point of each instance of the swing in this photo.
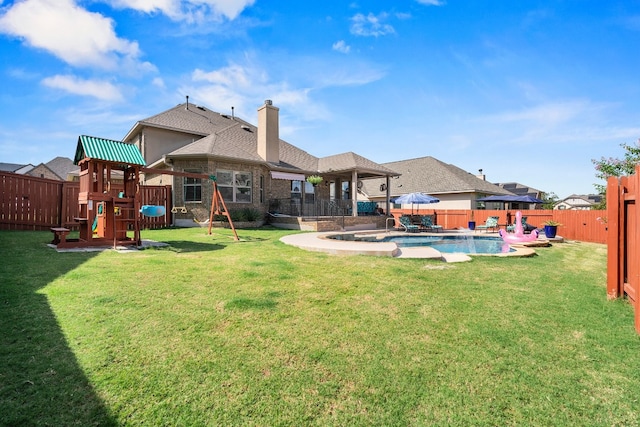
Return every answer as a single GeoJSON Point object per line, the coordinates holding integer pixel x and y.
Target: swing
{"type": "Point", "coordinates": [153, 211]}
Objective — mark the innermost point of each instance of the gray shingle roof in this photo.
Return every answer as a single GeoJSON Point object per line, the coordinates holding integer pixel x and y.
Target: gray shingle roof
{"type": "Point", "coordinates": [237, 139]}
{"type": "Point", "coordinates": [519, 189]}
{"type": "Point", "coordinates": [10, 167]}
{"type": "Point", "coordinates": [61, 166]}
{"type": "Point", "coordinates": [431, 176]}
{"type": "Point", "coordinates": [234, 138]}
{"type": "Point", "coordinates": [350, 161]}
{"type": "Point", "coordinates": [196, 120]}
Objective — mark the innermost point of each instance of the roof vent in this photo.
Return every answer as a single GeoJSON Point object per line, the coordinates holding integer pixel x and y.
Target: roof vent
{"type": "Point", "coordinates": [268, 102]}
{"type": "Point", "coordinates": [245, 127]}
{"type": "Point", "coordinates": [226, 116]}
{"type": "Point", "coordinates": [201, 108]}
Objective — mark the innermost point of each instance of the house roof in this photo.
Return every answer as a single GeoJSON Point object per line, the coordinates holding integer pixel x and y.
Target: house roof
{"type": "Point", "coordinates": [61, 166]}
{"type": "Point", "coordinates": [581, 200]}
{"type": "Point", "coordinates": [519, 189]}
{"type": "Point", "coordinates": [188, 118]}
{"type": "Point", "coordinates": [351, 161]}
{"type": "Point", "coordinates": [108, 150]}
{"type": "Point", "coordinates": [10, 167]}
{"type": "Point", "coordinates": [432, 176]}
{"type": "Point", "coordinates": [237, 139]}
{"type": "Point", "coordinates": [233, 138]}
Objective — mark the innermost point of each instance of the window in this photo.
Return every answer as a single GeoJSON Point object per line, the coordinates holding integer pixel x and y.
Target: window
{"type": "Point", "coordinates": [296, 189]}
{"type": "Point", "coordinates": [261, 188]}
{"type": "Point", "coordinates": [235, 186]}
{"type": "Point", "coordinates": [192, 188]}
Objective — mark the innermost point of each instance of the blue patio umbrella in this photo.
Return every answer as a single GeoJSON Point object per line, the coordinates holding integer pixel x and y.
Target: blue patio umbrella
{"type": "Point", "coordinates": [415, 199]}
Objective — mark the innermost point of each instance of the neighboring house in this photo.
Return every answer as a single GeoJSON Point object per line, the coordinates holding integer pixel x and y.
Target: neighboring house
{"type": "Point", "coordinates": [252, 166]}
{"type": "Point", "coordinates": [16, 168]}
{"type": "Point", "coordinates": [579, 202]}
{"type": "Point", "coordinates": [455, 187]}
{"type": "Point", "coordinates": [520, 190]}
{"type": "Point", "coordinates": [60, 168]}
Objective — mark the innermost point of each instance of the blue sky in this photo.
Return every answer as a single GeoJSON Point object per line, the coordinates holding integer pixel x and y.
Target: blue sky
{"type": "Point", "coordinates": [528, 91]}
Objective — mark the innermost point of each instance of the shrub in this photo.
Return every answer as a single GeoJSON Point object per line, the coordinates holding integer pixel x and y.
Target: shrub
{"type": "Point", "coordinates": [240, 215]}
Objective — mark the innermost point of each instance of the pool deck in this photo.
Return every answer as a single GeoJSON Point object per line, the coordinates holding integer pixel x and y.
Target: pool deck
{"type": "Point", "coordinates": [320, 243]}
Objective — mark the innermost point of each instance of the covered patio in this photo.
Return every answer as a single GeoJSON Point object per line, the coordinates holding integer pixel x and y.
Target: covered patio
{"type": "Point", "coordinates": [335, 197]}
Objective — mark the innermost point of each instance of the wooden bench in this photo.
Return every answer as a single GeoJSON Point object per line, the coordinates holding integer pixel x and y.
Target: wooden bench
{"type": "Point", "coordinates": [59, 235]}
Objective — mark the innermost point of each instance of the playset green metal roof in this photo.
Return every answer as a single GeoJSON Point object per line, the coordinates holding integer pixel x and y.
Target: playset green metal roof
{"type": "Point", "coordinates": [107, 150]}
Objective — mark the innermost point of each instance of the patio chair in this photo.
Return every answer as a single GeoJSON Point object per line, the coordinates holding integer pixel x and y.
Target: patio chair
{"type": "Point", "coordinates": [428, 225]}
{"type": "Point", "coordinates": [405, 221]}
{"type": "Point", "coordinates": [490, 223]}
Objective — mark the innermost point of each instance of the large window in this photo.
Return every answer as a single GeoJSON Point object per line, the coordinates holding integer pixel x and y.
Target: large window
{"type": "Point", "coordinates": [192, 188]}
{"type": "Point", "coordinates": [235, 186]}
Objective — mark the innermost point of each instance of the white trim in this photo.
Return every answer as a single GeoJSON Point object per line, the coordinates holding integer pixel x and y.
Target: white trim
{"type": "Point", "coordinates": [287, 176]}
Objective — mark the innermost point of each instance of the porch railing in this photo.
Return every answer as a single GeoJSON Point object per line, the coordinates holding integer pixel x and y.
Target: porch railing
{"type": "Point", "coordinates": [315, 208]}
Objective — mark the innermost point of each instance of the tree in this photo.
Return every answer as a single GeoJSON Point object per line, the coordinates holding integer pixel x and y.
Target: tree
{"type": "Point", "coordinates": [606, 167]}
{"type": "Point", "coordinates": [549, 200]}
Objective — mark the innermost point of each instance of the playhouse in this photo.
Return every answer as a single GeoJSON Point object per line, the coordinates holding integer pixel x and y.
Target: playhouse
{"type": "Point", "coordinates": [109, 215]}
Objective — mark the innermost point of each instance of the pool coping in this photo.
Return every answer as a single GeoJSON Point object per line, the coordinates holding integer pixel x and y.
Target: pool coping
{"type": "Point", "coordinates": [319, 242]}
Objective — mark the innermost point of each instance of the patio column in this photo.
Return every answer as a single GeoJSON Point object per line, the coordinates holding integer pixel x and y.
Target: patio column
{"type": "Point", "coordinates": [387, 196]}
{"type": "Point", "coordinates": [354, 193]}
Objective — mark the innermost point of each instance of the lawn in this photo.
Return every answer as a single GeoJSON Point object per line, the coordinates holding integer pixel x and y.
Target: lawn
{"type": "Point", "coordinates": [209, 331]}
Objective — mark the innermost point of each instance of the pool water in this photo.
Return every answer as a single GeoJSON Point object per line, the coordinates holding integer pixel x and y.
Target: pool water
{"type": "Point", "coordinates": [454, 244]}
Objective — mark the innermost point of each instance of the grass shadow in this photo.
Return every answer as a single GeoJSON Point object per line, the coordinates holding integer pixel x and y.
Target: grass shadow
{"type": "Point", "coordinates": [41, 381]}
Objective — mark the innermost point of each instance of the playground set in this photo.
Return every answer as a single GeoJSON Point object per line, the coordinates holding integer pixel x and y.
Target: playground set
{"type": "Point", "coordinates": [110, 216]}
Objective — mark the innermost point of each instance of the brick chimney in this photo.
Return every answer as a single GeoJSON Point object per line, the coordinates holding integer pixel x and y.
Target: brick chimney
{"type": "Point", "coordinates": [268, 132]}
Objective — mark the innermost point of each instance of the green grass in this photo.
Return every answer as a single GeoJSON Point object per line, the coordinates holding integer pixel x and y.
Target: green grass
{"type": "Point", "coordinates": [209, 331]}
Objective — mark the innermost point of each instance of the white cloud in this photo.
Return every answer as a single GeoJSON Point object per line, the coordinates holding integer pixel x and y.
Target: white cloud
{"type": "Point", "coordinates": [102, 90]}
{"type": "Point", "coordinates": [187, 10]}
{"type": "Point", "coordinates": [431, 2]}
{"type": "Point", "coordinates": [370, 25]}
{"type": "Point", "coordinates": [341, 46]}
{"type": "Point", "coordinates": [245, 84]}
{"type": "Point", "coordinates": [71, 33]}
{"type": "Point", "coordinates": [158, 82]}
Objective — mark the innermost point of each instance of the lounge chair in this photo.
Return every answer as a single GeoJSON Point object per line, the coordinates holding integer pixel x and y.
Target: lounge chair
{"type": "Point", "coordinates": [428, 225]}
{"type": "Point", "coordinates": [405, 221]}
{"type": "Point", "coordinates": [490, 223]}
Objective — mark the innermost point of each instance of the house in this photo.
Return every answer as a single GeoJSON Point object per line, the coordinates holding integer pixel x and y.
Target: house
{"type": "Point", "coordinates": [16, 168]}
{"type": "Point", "coordinates": [252, 166]}
{"type": "Point", "coordinates": [520, 190]}
{"type": "Point", "coordinates": [455, 187]}
{"type": "Point", "coordinates": [59, 168]}
{"type": "Point", "coordinates": [579, 202]}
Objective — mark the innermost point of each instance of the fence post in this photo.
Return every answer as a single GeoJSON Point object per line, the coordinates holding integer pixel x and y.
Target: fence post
{"type": "Point", "coordinates": [614, 215]}
{"type": "Point", "coordinates": [634, 279]}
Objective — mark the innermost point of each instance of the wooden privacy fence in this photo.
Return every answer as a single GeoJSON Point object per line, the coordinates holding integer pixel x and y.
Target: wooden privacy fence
{"type": "Point", "coordinates": [585, 226]}
{"type": "Point", "coordinates": [31, 203]}
{"type": "Point", "coordinates": [623, 249]}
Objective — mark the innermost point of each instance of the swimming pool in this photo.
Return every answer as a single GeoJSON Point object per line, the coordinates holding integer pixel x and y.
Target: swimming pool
{"type": "Point", "coordinates": [454, 244]}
